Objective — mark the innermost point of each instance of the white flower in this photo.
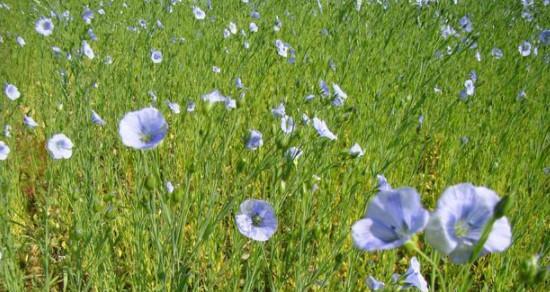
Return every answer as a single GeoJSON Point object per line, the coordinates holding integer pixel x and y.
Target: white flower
{"type": "Point", "coordinates": [60, 147]}
{"type": "Point", "coordinates": [12, 92]}
{"type": "Point", "coordinates": [356, 150]}
{"type": "Point", "coordinates": [87, 50]}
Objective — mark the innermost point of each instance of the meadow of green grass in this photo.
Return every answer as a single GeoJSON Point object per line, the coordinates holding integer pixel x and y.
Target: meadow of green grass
{"type": "Point", "coordinates": [103, 220]}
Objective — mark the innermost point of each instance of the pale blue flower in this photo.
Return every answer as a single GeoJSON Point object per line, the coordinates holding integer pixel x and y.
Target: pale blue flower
{"type": "Point", "coordinates": [322, 129]}
{"type": "Point", "coordinates": [56, 50]}
{"type": "Point", "coordinates": [413, 277]}
{"type": "Point", "coordinates": [392, 218]}
{"type": "Point", "coordinates": [226, 33]}
{"type": "Point", "coordinates": [339, 95]}
{"type": "Point", "coordinates": [279, 111]}
{"type": "Point", "coordinates": [20, 41]}
{"type": "Point", "coordinates": [239, 83]}
{"type": "Point", "coordinates": [448, 31]}
{"type": "Point", "coordinates": [497, 53]}
{"type": "Point", "coordinates": [256, 220]}
{"type": "Point", "coordinates": [174, 107]}
{"type": "Point", "coordinates": [190, 106]}
{"type": "Point", "coordinates": [383, 184]}
{"type": "Point", "coordinates": [169, 187]}
{"type": "Point", "coordinates": [278, 24]}
{"type": "Point", "coordinates": [156, 56]}
{"type": "Point", "coordinates": [142, 23]}
{"type": "Point", "coordinates": [325, 91]}
{"type": "Point", "coordinates": [293, 153]}
{"type": "Point", "coordinates": [282, 48]}
{"type": "Point", "coordinates": [458, 222]}
{"type": "Point", "coordinates": [87, 15]}
{"type": "Point", "coordinates": [255, 140]}
{"type": "Point", "coordinates": [199, 13]}
{"type": "Point", "coordinates": [230, 103]}
{"type": "Point", "coordinates": [152, 94]}
{"type": "Point", "coordinates": [92, 35]}
{"type": "Point", "coordinates": [60, 147]}
{"type": "Point", "coordinates": [232, 28]}
{"type": "Point", "coordinates": [356, 150]}
{"type": "Point", "coordinates": [96, 119]}
{"type": "Point", "coordinates": [521, 95]}
{"type": "Point", "coordinates": [373, 284]}
{"type": "Point", "coordinates": [29, 122]}
{"type": "Point", "coordinates": [309, 97]}
{"type": "Point", "coordinates": [4, 150]}
{"type": "Point", "coordinates": [287, 124]}
{"type": "Point", "coordinates": [44, 26]}
{"type": "Point", "coordinates": [525, 49]}
{"type": "Point", "coordinates": [143, 129]}
{"type": "Point", "coordinates": [469, 87]}
{"type": "Point", "coordinates": [255, 14]}
{"type": "Point", "coordinates": [466, 24]}
{"type": "Point", "coordinates": [216, 69]}
{"type": "Point", "coordinates": [7, 131]}
{"type": "Point", "coordinates": [213, 97]}
{"type": "Point", "coordinates": [11, 91]}
{"type": "Point", "coordinates": [87, 50]}
{"type": "Point", "coordinates": [253, 27]}
{"type": "Point", "coordinates": [338, 91]}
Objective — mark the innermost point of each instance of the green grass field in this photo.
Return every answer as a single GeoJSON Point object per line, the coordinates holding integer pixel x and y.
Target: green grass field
{"type": "Point", "coordinates": [104, 221]}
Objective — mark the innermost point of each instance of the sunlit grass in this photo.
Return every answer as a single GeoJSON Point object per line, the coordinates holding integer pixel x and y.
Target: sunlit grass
{"type": "Point", "coordinates": [103, 220]}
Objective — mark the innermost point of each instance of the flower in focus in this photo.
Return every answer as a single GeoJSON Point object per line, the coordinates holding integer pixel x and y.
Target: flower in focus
{"type": "Point", "coordinates": [458, 222]}
{"type": "Point", "coordinates": [143, 129]}
{"type": "Point", "coordinates": [60, 147]}
{"type": "Point", "coordinates": [392, 218]}
{"type": "Point", "coordinates": [256, 220]}
{"type": "Point", "coordinates": [44, 26]}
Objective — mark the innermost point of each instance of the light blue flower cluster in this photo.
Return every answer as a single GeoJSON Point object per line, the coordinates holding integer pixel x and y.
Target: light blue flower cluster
{"type": "Point", "coordinates": [394, 216]}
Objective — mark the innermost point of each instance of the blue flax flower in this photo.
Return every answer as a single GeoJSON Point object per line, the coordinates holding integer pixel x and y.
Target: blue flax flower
{"type": "Point", "coordinates": [458, 222]}
{"type": "Point", "coordinates": [392, 218]}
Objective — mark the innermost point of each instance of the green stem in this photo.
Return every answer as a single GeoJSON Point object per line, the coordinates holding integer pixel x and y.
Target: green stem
{"type": "Point", "coordinates": [481, 242]}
